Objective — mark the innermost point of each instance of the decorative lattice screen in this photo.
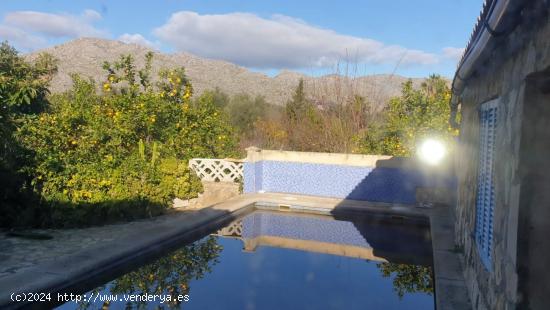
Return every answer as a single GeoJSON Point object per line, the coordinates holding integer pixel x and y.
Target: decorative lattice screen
{"type": "Point", "coordinates": [217, 170]}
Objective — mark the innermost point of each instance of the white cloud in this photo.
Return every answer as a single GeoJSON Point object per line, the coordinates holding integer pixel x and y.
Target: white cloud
{"type": "Point", "coordinates": [21, 38]}
{"type": "Point", "coordinates": [91, 15]}
{"type": "Point", "coordinates": [454, 53]}
{"type": "Point", "coordinates": [278, 42]}
{"type": "Point", "coordinates": [56, 25]}
{"type": "Point", "coordinates": [136, 38]}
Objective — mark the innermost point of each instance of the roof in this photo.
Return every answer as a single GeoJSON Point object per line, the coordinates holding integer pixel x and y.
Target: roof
{"type": "Point", "coordinates": [479, 26]}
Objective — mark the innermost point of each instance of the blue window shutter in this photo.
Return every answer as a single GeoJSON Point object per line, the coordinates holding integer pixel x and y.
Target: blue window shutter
{"type": "Point", "coordinates": [485, 200]}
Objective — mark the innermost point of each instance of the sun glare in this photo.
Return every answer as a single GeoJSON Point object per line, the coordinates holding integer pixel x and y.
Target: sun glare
{"type": "Point", "coordinates": [432, 151]}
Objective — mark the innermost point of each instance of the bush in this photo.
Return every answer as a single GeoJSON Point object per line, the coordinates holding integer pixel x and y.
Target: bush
{"type": "Point", "coordinates": [122, 154]}
{"type": "Point", "coordinates": [244, 111]}
{"type": "Point", "coordinates": [23, 90]}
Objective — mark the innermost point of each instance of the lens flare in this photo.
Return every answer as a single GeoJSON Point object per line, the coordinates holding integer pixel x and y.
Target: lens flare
{"type": "Point", "coordinates": [432, 151]}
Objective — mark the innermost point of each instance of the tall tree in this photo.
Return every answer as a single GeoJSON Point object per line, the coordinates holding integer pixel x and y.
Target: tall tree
{"type": "Point", "coordinates": [297, 107]}
{"type": "Point", "coordinates": [416, 114]}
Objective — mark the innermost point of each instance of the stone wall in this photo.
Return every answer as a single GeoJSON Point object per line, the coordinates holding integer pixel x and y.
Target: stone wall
{"type": "Point", "coordinates": [213, 193]}
{"type": "Point", "coordinates": [505, 77]}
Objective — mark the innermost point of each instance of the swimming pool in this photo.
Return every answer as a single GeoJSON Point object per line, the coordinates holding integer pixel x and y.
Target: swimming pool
{"type": "Point", "coordinates": [283, 260]}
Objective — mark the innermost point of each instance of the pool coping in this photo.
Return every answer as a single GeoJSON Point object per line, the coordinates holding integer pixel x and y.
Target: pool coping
{"type": "Point", "coordinates": [67, 273]}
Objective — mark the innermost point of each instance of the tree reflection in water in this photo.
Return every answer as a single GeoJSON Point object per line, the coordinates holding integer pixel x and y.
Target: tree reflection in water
{"type": "Point", "coordinates": [168, 275]}
{"type": "Point", "coordinates": [408, 278]}
{"type": "Point", "coordinates": [171, 274]}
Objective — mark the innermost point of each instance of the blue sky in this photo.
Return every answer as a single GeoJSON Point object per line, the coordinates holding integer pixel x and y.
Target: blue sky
{"type": "Point", "coordinates": [412, 38]}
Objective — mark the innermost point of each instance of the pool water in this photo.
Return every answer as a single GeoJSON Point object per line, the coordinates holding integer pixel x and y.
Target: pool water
{"type": "Point", "coordinates": [277, 260]}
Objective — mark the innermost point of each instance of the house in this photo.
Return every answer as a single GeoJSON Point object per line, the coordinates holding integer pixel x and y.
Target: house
{"type": "Point", "coordinates": [502, 91]}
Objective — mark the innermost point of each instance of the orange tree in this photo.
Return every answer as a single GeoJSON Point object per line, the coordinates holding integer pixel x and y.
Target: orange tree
{"type": "Point", "coordinates": [122, 153]}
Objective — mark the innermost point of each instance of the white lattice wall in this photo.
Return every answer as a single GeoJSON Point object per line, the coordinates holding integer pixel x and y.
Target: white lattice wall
{"type": "Point", "coordinates": [217, 170]}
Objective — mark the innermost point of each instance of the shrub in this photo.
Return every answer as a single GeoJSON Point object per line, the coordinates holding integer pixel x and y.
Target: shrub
{"type": "Point", "coordinates": [23, 90]}
{"type": "Point", "coordinates": [244, 111]}
{"type": "Point", "coordinates": [122, 153]}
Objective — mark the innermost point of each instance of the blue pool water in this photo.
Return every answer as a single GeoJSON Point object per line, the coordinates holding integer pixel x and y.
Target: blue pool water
{"type": "Point", "coordinates": [286, 261]}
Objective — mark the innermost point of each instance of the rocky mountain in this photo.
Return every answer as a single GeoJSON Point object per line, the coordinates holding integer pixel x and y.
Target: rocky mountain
{"type": "Point", "coordinates": [85, 56]}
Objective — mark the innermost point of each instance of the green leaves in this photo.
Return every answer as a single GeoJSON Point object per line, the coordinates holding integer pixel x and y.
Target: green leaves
{"type": "Point", "coordinates": [23, 90]}
{"type": "Point", "coordinates": [141, 149]}
{"type": "Point", "coordinates": [24, 83]}
{"type": "Point", "coordinates": [408, 279]}
{"type": "Point", "coordinates": [297, 108]}
{"type": "Point", "coordinates": [145, 73]}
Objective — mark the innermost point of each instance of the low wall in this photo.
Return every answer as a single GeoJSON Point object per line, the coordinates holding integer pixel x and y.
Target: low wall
{"type": "Point", "coordinates": [346, 176]}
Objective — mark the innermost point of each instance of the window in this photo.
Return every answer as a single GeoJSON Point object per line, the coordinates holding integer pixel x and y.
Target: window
{"type": "Point", "coordinates": [485, 202]}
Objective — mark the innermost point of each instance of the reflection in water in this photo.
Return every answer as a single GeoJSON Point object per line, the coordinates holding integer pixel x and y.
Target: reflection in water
{"type": "Point", "coordinates": [408, 278]}
{"type": "Point", "coordinates": [404, 248]}
{"type": "Point", "coordinates": [169, 275]}
{"type": "Point", "coordinates": [272, 260]}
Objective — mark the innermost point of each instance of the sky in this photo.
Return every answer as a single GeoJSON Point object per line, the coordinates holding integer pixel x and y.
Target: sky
{"type": "Point", "coordinates": [353, 37]}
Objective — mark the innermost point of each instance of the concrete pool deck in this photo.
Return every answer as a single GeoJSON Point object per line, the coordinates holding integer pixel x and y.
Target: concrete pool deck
{"type": "Point", "coordinates": [124, 246]}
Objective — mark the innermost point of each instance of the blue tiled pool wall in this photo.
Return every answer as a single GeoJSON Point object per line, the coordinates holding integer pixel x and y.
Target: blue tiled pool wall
{"type": "Point", "coordinates": [378, 184]}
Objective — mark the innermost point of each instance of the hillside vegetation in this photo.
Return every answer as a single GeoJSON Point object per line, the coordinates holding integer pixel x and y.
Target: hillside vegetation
{"type": "Point", "coordinates": [352, 125]}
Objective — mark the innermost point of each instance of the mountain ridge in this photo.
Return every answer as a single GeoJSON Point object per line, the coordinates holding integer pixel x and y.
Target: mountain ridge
{"type": "Point", "coordinates": [85, 57]}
